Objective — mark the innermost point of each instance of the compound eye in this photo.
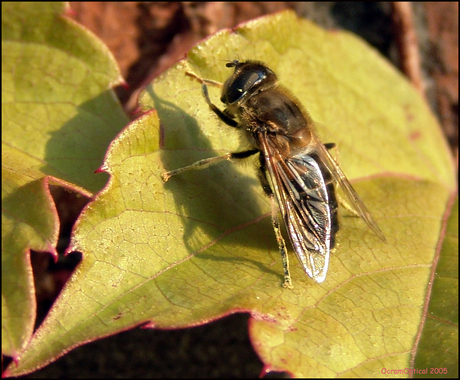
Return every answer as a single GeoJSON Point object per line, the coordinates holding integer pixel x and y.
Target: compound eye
{"type": "Point", "coordinates": [245, 81]}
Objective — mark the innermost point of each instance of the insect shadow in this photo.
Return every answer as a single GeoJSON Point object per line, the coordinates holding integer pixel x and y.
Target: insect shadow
{"type": "Point", "coordinates": [217, 202]}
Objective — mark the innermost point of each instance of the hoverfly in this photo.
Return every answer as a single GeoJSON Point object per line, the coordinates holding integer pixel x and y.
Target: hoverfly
{"type": "Point", "coordinates": [296, 169]}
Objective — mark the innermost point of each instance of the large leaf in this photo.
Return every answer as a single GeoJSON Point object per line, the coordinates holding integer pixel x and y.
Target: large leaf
{"type": "Point", "coordinates": [58, 117]}
{"type": "Point", "coordinates": [201, 246]}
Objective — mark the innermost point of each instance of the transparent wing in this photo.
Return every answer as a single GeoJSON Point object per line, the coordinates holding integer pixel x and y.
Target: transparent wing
{"type": "Point", "coordinates": [308, 211]}
{"type": "Point", "coordinates": [340, 178]}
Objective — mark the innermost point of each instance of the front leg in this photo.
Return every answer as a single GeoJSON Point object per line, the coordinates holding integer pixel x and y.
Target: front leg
{"type": "Point", "coordinates": [221, 115]}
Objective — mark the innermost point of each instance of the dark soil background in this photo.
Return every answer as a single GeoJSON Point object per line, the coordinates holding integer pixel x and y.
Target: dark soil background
{"type": "Point", "coordinates": [148, 37]}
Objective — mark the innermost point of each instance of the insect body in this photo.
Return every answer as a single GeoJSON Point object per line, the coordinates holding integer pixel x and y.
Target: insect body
{"type": "Point", "coordinates": [296, 169]}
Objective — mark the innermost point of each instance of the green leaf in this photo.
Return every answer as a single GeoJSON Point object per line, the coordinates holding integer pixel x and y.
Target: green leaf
{"type": "Point", "coordinates": [201, 246]}
{"type": "Point", "coordinates": [57, 105]}
{"type": "Point", "coordinates": [440, 328]}
{"type": "Point", "coordinates": [58, 117]}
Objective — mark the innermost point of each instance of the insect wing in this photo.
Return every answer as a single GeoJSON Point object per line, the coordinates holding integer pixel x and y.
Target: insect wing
{"type": "Point", "coordinates": [340, 178]}
{"type": "Point", "coordinates": [303, 199]}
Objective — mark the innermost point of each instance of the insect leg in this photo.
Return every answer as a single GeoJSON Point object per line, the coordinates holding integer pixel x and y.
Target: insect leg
{"type": "Point", "coordinates": [276, 225]}
{"type": "Point", "coordinates": [281, 244]}
{"type": "Point", "coordinates": [206, 162]}
{"type": "Point", "coordinates": [222, 116]}
{"type": "Point", "coordinates": [201, 164]}
{"type": "Point", "coordinates": [202, 80]}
